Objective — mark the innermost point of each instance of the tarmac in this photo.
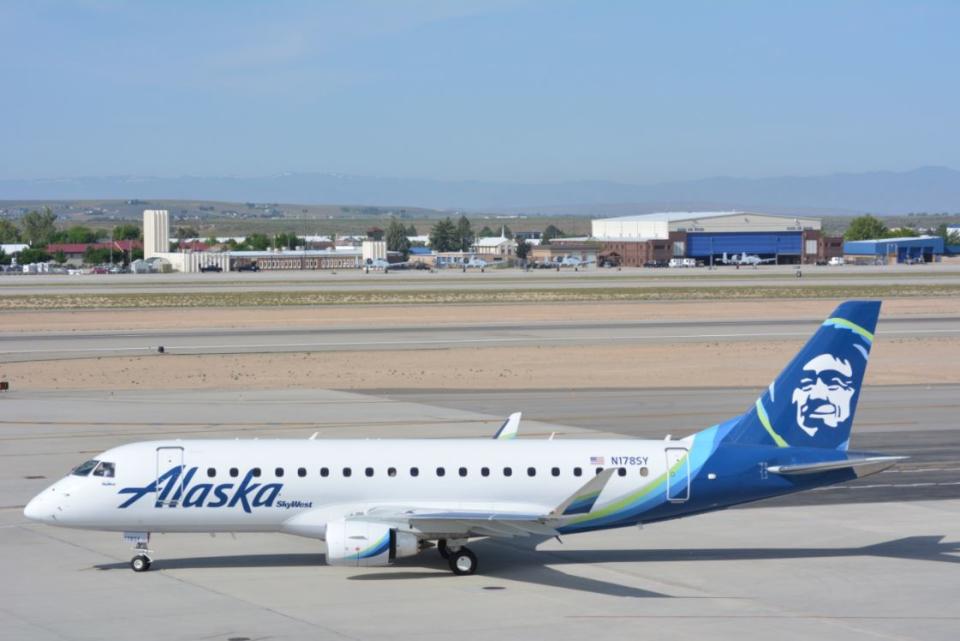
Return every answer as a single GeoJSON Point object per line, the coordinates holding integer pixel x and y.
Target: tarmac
{"type": "Point", "coordinates": [876, 562]}
{"type": "Point", "coordinates": [491, 279]}
{"type": "Point", "coordinates": [32, 346]}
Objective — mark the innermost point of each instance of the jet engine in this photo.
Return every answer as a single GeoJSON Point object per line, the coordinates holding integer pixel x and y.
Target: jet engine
{"type": "Point", "coordinates": [359, 543]}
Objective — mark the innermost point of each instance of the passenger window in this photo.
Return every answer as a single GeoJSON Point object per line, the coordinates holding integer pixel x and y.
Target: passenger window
{"type": "Point", "coordinates": [507, 471]}
{"type": "Point", "coordinates": [484, 471]}
{"type": "Point", "coordinates": [368, 471]}
{"type": "Point", "coordinates": [577, 471]}
{"type": "Point", "coordinates": [234, 472]}
{"type": "Point", "coordinates": [555, 471]}
{"type": "Point", "coordinates": [414, 471]}
{"type": "Point", "coordinates": [441, 471]}
{"type": "Point", "coordinates": [531, 471]}
{"type": "Point", "coordinates": [105, 470]}
{"type": "Point", "coordinates": [324, 472]}
{"type": "Point", "coordinates": [463, 471]}
{"type": "Point", "coordinates": [84, 468]}
{"type": "Point", "coordinates": [278, 472]}
{"type": "Point", "coordinates": [211, 472]}
{"type": "Point", "coordinates": [391, 471]}
{"type": "Point", "coordinates": [644, 471]}
{"type": "Point", "coordinates": [347, 472]}
{"type": "Point", "coordinates": [256, 472]}
{"type": "Point", "coordinates": [622, 471]}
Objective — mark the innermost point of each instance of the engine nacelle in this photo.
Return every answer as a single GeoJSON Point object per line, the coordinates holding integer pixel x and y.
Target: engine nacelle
{"type": "Point", "coordinates": [358, 543]}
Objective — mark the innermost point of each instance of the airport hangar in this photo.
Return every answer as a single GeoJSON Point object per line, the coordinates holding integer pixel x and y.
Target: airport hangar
{"type": "Point", "coordinates": [907, 249]}
{"type": "Point", "coordinates": [635, 240]}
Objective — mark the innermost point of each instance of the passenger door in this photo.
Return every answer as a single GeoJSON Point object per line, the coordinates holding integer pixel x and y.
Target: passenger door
{"type": "Point", "coordinates": [169, 486]}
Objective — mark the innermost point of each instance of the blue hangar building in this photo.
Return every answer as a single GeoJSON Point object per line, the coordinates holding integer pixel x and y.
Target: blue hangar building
{"type": "Point", "coordinates": [908, 249]}
{"type": "Point", "coordinates": [708, 235]}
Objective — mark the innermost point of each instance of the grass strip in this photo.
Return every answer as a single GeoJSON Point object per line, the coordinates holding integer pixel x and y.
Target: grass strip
{"type": "Point", "coordinates": [453, 296]}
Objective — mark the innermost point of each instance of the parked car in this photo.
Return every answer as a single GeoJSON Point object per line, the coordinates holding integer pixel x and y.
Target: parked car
{"type": "Point", "coordinates": [252, 267]}
{"type": "Point", "coordinates": [211, 268]}
{"type": "Point", "coordinates": [835, 261]}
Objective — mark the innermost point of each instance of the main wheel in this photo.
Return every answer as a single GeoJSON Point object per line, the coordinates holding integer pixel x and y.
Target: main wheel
{"type": "Point", "coordinates": [442, 548]}
{"type": "Point", "coordinates": [463, 562]}
{"type": "Point", "coordinates": [140, 563]}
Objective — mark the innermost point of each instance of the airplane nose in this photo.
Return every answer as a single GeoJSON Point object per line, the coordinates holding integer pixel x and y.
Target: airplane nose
{"type": "Point", "coordinates": [33, 510]}
{"type": "Point", "coordinates": [40, 508]}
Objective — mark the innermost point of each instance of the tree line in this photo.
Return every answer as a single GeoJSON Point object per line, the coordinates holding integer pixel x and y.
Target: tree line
{"type": "Point", "coordinates": [449, 236]}
{"type": "Point", "coordinates": [38, 229]}
{"type": "Point", "coordinates": [872, 228]}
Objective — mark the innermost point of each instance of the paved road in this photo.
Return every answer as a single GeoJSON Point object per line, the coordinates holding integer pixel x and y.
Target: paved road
{"type": "Point", "coordinates": [355, 280]}
{"type": "Point", "coordinates": [16, 346]}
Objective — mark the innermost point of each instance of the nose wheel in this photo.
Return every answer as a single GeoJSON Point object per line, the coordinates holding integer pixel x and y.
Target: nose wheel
{"type": "Point", "coordinates": [140, 563]}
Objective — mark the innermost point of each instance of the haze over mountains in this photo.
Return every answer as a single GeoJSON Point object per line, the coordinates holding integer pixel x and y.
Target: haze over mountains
{"type": "Point", "coordinates": [929, 189]}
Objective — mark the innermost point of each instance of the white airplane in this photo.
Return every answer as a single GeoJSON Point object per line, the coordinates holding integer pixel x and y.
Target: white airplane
{"type": "Point", "coordinates": [745, 259]}
{"type": "Point", "coordinates": [570, 261]}
{"type": "Point", "coordinates": [375, 501]}
{"type": "Point", "coordinates": [476, 262]}
{"type": "Point", "coordinates": [383, 265]}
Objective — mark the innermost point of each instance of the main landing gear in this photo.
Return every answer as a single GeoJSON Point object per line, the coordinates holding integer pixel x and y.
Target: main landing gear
{"type": "Point", "coordinates": [461, 560]}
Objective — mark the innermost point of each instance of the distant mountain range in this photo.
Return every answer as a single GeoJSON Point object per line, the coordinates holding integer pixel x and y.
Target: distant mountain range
{"type": "Point", "coordinates": [930, 189]}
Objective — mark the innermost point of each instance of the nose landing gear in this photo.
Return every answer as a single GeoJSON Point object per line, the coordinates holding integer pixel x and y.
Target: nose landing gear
{"type": "Point", "coordinates": [142, 560]}
{"type": "Point", "coordinates": [140, 563]}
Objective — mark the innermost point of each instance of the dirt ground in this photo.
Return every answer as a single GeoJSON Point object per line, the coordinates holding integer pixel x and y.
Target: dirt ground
{"type": "Point", "coordinates": [711, 364]}
{"type": "Point", "coordinates": [688, 364]}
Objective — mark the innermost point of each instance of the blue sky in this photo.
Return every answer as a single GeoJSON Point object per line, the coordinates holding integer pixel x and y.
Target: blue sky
{"type": "Point", "coordinates": [495, 90]}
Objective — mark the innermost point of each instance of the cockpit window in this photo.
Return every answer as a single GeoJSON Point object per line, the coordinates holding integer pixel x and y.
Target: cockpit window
{"type": "Point", "coordinates": [84, 469]}
{"type": "Point", "coordinates": [105, 469]}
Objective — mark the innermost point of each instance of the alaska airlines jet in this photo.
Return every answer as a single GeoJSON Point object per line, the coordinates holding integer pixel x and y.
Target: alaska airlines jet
{"type": "Point", "coordinates": [374, 501]}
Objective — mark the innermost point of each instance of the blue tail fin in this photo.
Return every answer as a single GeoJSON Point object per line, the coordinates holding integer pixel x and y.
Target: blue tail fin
{"type": "Point", "coordinates": [813, 400]}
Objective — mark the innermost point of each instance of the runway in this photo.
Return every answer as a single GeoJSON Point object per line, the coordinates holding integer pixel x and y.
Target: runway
{"type": "Point", "coordinates": [822, 570]}
{"type": "Point", "coordinates": [27, 346]}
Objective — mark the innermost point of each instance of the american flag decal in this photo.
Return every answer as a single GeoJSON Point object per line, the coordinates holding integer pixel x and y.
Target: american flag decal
{"type": "Point", "coordinates": [596, 460]}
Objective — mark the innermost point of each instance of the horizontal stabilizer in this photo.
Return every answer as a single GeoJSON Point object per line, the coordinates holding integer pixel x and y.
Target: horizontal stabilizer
{"type": "Point", "coordinates": [862, 465]}
{"type": "Point", "coordinates": [510, 428]}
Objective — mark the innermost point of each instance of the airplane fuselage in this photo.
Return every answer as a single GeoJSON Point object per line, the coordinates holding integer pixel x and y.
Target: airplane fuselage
{"type": "Point", "coordinates": [265, 485]}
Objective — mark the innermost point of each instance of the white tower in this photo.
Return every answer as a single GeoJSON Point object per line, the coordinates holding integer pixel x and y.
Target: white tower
{"type": "Point", "coordinates": [156, 232]}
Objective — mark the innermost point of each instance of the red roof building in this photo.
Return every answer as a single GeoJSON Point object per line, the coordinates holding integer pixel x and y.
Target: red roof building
{"type": "Point", "coordinates": [77, 250]}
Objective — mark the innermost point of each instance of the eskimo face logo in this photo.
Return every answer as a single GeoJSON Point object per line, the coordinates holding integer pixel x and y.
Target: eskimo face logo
{"type": "Point", "coordinates": [825, 393]}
